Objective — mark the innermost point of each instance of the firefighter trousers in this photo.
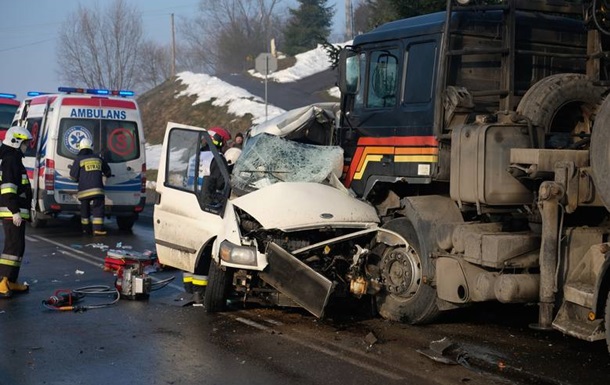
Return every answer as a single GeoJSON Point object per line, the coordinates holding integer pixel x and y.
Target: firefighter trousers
{"type": "Point", "coordinates": [14, 248]}
{"type": "Point", "coordinates": [92, 207]}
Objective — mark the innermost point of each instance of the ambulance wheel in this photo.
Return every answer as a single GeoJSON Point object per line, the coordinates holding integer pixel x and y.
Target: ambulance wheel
{"type": "Point", "coordinates": [37, 223]}
{"type": "Point", "coordinates": [126, 223]}
{"type": "Point", "coordinates": [405, 296]}
{"type": "Point", "coordinates": [562, 107]}
{"type": "Point", "coordinates": [220, 280]}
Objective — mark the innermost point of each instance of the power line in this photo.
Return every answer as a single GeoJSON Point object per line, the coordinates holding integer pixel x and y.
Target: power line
{"type": "Point", "coordinates": [25, 45]}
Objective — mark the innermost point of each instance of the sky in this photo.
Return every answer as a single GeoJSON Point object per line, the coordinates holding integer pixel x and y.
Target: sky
{"type": "Point", "coordinates": [29, 30]}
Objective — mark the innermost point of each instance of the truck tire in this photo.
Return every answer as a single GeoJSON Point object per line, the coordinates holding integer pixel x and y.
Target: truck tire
{"type": "Point", "coordinates": [607, 321]}
{"type": "Point", "coordinates": [405, 297]}
{"type": "Point", "coordinates": [126, 223]}
{"type": "Point", "coordinates": [219, 285]}
{"type": "Point", "coordinates": [599, 154]}
{"type": "Point", "coordinates": [562, 106]}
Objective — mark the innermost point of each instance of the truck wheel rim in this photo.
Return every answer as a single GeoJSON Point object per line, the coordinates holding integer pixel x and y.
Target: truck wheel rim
{"type": "Point", "coordinates": [401, 271]}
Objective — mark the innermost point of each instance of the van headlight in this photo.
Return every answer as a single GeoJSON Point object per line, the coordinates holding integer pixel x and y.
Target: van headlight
{"type": "Point", "coordinates": [242, 255]}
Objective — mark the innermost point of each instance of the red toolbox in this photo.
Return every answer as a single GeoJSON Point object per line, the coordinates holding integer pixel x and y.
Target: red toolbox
{"type": "Point", "coordinates": [116, 259]}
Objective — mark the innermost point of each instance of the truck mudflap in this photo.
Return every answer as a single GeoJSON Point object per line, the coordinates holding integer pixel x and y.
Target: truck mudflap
{"type": "Point", "coordinates": [296, 280]}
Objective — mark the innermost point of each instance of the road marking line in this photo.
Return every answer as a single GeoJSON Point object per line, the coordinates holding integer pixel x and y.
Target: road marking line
{"type": "Point", "coordinates": [334, 350]}
{"type": "Point", "coordinates": [254, 324]}
{"type": "Point", "coordinates": [88, 258]}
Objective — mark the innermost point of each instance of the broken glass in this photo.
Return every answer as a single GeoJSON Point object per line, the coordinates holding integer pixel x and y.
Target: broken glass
{"type": "Point", "coordinates": [267, 159]}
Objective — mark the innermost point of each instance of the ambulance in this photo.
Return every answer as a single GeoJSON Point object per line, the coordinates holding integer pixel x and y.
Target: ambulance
{"type": "Point", "coordinates": [58, 122]}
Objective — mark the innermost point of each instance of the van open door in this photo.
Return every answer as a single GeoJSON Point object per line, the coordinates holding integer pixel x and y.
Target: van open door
{"type": "Point", "coordinates": [186, 218]}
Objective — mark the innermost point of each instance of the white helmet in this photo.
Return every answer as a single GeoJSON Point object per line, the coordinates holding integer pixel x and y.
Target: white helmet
{"type": "Point", "coordinates": [231, 155]}
{"type": "Point", "coordinates": [85, 143]}
{"type": "Point", "coordinates": [15, 136]}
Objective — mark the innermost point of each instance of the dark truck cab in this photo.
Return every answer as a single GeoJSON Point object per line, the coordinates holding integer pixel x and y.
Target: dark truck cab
{"type": "Point", "coordinates": [406, 83]}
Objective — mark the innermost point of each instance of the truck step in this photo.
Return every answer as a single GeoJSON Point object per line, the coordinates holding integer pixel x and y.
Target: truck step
{"type": "Point", "coordinates": [572, 320]}
{"type": "Point", "coordinates": [579, 293]}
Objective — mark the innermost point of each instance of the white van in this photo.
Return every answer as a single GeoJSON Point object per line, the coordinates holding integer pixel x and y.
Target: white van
{"type": "Point", "coordinates": [58, 122]}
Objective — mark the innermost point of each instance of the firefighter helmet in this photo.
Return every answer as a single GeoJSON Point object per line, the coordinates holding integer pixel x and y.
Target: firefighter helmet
{"type": "Point", "coordinates": [232, 154]}
{"type": "Point", "coordinates": [219, 136]}
{"type": "Point", "coordinates": [15, 136]}
{"type": "Point", "coordinates": [85, 143]}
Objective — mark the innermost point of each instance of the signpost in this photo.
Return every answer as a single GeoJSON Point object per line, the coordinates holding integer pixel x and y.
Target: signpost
{"type": "Point", "coordinates": [265, 63]}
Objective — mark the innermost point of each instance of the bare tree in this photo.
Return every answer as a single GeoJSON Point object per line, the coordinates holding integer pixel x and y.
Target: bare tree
{"type": "Point", "coordinates": [227, 34]}
{"type": "Point", "coordinates": [155, 64]}
{"type": "Point", "coordinates": [99, 49]}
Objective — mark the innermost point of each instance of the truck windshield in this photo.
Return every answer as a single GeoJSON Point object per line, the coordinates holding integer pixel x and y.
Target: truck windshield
{"type": "Point", "coordinates": [267, 159]}
{"type": "Point", "coordinates": [116, 140]}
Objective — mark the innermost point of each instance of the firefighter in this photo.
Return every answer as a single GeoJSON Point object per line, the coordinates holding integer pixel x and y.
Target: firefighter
{"type": "Point", "coordinates": [15, 203]}
{"type": "Point", "coordinates": [88, 170]}
{"type": "Point", "coordinates": [195, 283]}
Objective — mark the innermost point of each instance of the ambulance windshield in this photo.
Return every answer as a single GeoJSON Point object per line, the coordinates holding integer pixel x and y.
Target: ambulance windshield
{"type": "Point", "coordinates": [7, 112]}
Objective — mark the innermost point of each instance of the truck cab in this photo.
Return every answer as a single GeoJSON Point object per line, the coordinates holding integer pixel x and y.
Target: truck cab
{"type": "Point", "coordinates": [480, 135]}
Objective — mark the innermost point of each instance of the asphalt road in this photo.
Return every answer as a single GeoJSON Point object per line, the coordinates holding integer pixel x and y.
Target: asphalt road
{"type": "Point", "coordinates": [309, 90]}
{"type": "Point", "coordinates": [157, 341]}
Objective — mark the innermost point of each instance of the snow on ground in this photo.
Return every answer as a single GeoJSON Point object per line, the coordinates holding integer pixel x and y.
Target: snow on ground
{"type": "Point", "coordinates": [307, 64]}
{"type": "Point", "coordinates": [239, 101]}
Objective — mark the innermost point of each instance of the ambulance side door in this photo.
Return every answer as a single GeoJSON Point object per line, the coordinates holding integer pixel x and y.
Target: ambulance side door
{"type": "Point", "coordinates": [184, 222]}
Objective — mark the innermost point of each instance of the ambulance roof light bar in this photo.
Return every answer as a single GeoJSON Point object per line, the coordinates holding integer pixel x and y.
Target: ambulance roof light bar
{"type": "Point", "coordinates": [7, 96]}
{"type": "Point", "coordinates": [37, 93]}
{"type": "Point", "coordinates": [96, 91]}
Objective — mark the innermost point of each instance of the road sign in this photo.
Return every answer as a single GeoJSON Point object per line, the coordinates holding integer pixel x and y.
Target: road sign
{"type": "Point", "coordinates": [265, 63]}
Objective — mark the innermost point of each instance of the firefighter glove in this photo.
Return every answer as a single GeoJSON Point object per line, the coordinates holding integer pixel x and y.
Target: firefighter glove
{"type": "Point", "coordinates": [17, 219]}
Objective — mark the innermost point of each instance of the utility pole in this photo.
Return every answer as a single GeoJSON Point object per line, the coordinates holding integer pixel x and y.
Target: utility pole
{"type": "Point", "coordinates": [173, 47]}
{"type": "Point", "coordinates": [349, 22]}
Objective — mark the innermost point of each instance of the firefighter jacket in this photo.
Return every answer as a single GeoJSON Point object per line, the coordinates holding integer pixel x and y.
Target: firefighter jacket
{"type": "Point", "coordinates": [88, 170]}
{"type": "Point", "coordinates": [15, 189]}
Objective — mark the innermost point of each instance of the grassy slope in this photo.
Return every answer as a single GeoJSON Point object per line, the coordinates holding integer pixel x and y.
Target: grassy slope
{"type": "Point", "coordinates": [160, 105]}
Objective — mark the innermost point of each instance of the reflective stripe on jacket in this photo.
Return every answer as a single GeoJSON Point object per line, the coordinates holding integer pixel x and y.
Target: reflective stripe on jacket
{"type": "Point", "coordinates": [15, 189]}
{"type": "Point", "coordinates": [88, 169]}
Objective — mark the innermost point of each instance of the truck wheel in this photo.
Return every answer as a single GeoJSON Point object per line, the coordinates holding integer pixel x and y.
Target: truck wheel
{"type": "Point", "coordinates": [562, 106]}
{"type": "Point", "coordinates": [599, 154]}
{"type": "Point", "coordinates": [406, 298]}
{"type": "Point", "coordinates": [607, 321]}
{"type": "Point", "coordinates": [219, 284]}
{"type": "Point", "coordinates": [126, 223]}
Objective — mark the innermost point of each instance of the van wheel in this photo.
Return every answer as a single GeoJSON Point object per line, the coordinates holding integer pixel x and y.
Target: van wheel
{"type": "Point", "coordinates": [126, 223]}
{"type": "Point", "coordinates": [562, 107]}
{"type": "Point", "coordinates": [405, 297]}
{"type": "Point", "coordinates": [219, 286]}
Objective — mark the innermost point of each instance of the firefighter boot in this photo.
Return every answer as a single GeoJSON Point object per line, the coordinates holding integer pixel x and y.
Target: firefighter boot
{"type": "Point", "coordinates": [198, 294]}
{"type": "Point", "coordinates": [18, 287]}
{"type": "Point", "coordinates": [5, 290]}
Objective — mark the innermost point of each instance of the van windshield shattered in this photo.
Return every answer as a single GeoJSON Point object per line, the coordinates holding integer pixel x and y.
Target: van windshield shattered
{"type": "Point", "coordinates": [268, 159]}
